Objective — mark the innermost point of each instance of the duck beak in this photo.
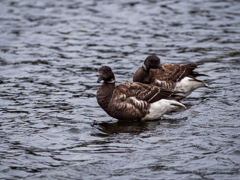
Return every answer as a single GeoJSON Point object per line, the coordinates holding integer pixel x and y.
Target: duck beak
{"type": "Point", "coordinates": [100, 78]}
{"type": "Point", "coordinates": [160, 67]}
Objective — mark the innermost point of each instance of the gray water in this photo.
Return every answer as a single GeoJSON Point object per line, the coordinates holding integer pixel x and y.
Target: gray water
{"type": "Point", "coordinates": [51, 126]}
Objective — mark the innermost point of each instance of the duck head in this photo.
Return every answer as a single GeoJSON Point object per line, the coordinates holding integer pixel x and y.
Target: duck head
{"type": "Point", "coordinates": [152, 62]}
{"type": "Point", "coordinates": [106, 74]}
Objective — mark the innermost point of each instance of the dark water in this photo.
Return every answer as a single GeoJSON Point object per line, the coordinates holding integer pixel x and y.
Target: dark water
{"type": "Point", "coordinates": [51, 126]}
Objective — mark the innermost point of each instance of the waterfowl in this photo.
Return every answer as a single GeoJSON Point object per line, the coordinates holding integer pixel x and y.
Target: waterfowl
{"type": "Point", "coordinates": [132, 100]}
{"type": "Point", "coordinates": [179, 78]}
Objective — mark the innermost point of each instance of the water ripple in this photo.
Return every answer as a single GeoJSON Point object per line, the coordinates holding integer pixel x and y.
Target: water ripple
{"type": "Point", "coordinates": [51, 126]}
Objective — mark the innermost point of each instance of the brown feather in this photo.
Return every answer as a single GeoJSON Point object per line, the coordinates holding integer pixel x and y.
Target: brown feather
{"type": "Point", "coordinates": [176, 72]}
{"type": "Point", "coordinates": [164, 93]}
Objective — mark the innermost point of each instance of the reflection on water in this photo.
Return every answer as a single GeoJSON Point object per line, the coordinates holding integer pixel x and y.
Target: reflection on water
{"type": "Point", "coordinates": [125, 127]}
{"type": "Point", "coordinates": [51, 126]}
{"type": "Point", "coordinates": [136, 127]}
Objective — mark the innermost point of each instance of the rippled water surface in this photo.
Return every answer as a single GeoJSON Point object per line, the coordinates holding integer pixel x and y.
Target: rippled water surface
{"type": "Point", "coordinates": [51, 126]}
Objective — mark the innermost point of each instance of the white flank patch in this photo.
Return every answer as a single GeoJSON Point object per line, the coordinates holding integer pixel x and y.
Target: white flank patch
{"type": "Point", "coordinates": [161, 107]}
{"type": "Point", "coordinates": [188, 85]}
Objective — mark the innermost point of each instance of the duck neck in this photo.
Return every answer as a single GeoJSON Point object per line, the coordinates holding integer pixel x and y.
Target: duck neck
{"type": "Point", "coordinates": [144, 67]}
{"type": "Point", "coordinates": [145, 75]}
{"type": "Point", "coordinates": [104, 94]}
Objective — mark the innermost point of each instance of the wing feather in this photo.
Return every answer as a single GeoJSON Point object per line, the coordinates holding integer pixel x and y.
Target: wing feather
{"type": "Point", "coordinates": [175, 72]}
{"type": "Point", "coordinates": [142, 92]}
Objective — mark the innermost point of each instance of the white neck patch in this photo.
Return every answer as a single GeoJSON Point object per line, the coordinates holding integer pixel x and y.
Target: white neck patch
{"type": "Point", "coordinates": [110, 81]}
{"type": "Point", "coordinates": [144, 67]}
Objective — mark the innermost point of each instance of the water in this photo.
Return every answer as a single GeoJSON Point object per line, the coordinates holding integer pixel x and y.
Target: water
{"type": "Point", "coordinates": [51, 126]}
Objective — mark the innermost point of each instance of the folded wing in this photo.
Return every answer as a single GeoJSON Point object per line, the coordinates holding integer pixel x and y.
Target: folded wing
{"type": "Point", "coordinates": [138, 95]}
{"type": "Point", "coordinates": [175, 72]}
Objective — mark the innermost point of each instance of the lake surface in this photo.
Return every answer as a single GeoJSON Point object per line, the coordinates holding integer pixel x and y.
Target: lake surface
{"type": "Point", "coordinates": [51, 126]}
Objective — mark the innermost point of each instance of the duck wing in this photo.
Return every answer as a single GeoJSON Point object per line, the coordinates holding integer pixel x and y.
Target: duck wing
{"type": "Point", "coordinates": [133, 100]}
{"type": "Point", "coordinates": [175, 72]}
{"type": "Point", "coordinates": [128, 91]}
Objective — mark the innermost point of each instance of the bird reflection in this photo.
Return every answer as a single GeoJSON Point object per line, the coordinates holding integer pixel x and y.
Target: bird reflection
{"type": "Point", "coordinates": [127, 127]}
{"type": "Point", "coordinates": [135, 127]}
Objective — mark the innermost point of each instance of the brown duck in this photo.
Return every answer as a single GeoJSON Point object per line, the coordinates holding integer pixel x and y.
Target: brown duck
{"type": "Point", "coordinates": [179, 78]}
{"type": "Point", "coordinates": [133, 101]}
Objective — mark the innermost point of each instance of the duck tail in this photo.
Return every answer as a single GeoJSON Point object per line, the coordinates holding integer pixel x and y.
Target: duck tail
{"type": "Point", "coordinates": [198, 83]}
{"type": "Point", "coordinates": [176, 103]}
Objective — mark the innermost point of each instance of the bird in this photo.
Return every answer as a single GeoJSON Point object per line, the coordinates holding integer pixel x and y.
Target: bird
{"type": "Point", "coordinates": [133, 101]}
{"type": "Point", "coordinates": [179, 78]}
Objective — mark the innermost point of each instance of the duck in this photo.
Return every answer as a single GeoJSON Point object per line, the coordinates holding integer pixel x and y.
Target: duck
{"type": "Point", "coordinates": [179, 78]}
{"type": "Point", "coordinates": [133, 101]}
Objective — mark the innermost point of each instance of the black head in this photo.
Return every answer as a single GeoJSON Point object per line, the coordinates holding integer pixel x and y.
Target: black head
{"type": "Point", "coordinates": [106, 74]}
{"type": "Point", "coordinates": [153, 62]}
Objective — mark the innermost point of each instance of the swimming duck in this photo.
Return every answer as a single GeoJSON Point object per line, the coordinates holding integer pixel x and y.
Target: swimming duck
{"type": "Point", "coordinates": [132, 100]}
{"type": "Point", "coordinates": [179, 78]}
